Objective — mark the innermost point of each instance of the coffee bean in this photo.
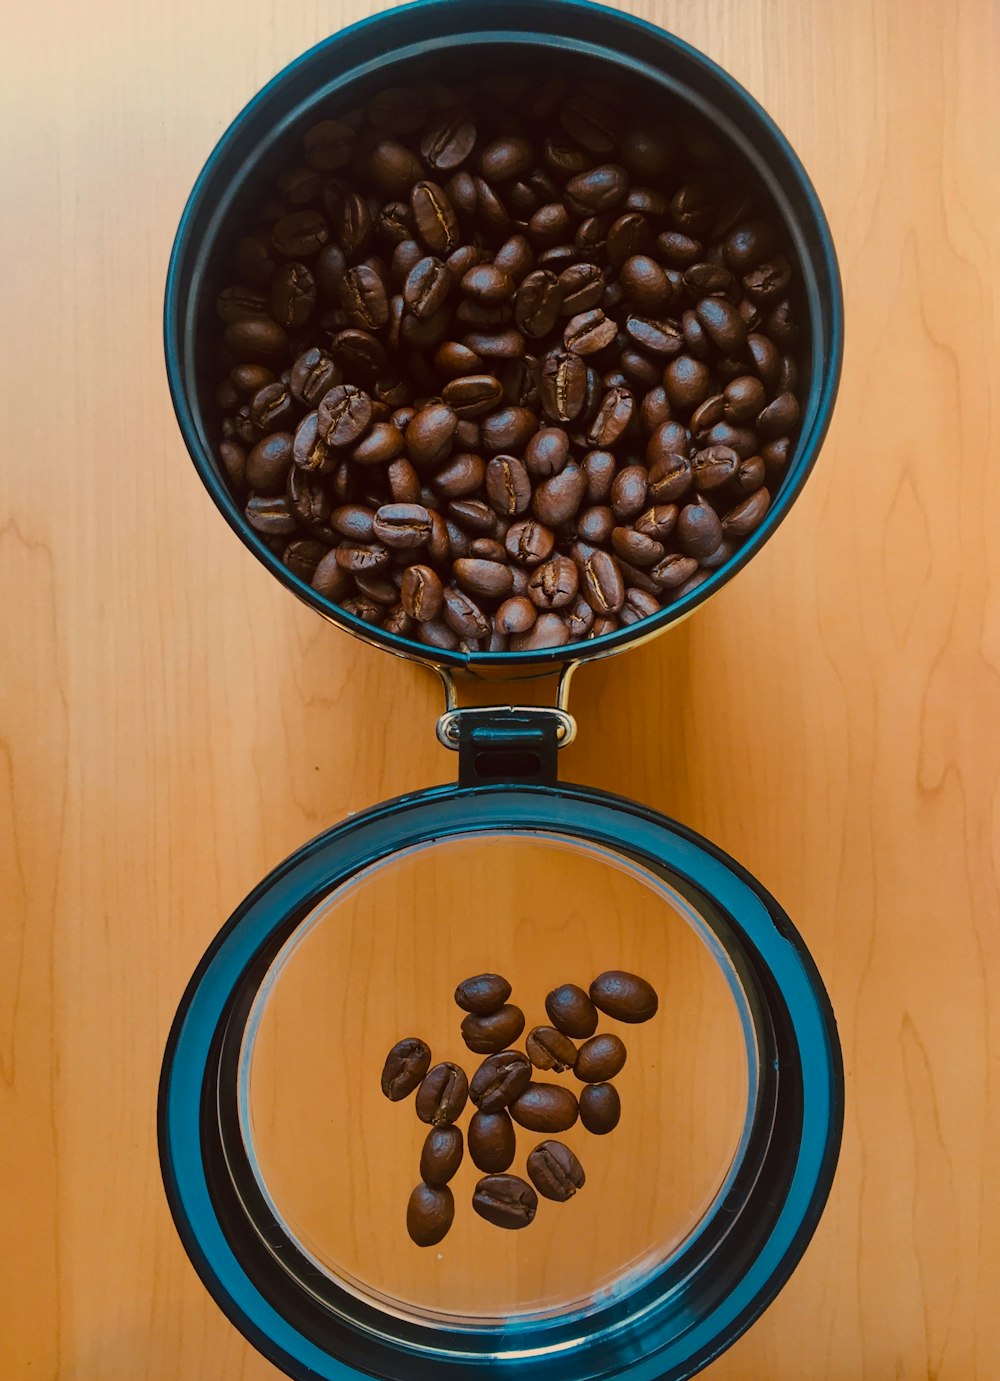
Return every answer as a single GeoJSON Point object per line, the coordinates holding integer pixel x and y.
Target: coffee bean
{"type": "Point", "coordinates": [600, 1059]}
{"type": "Point", "coordinates": [448, 141]}
{"type": "Point", "coordinates": [545, 1108]}
{"type": "Point", "coordinates": [779, 417]}
{"type": "Point", "coordinates": [405, 1066]}
{"type": "Point", "coordinates": [427, 286]}
{"type": "Point", "coordinates": [571, 1011]}
{"type": "Point", "coordinates": [434, 217]}
{"type": "Point", "coordinates": [537, 303]}
{"type": "Point", "coordinates": [401, 526]}
{"type": "Point", "coordinates": [714, 467]}
{"type": "Point", "coordinates": [598, 189]}
{"type": "Point", "coordinates": [460, 476]}
{"type": "Point", "coordinates": [270, 516]}
{"type": "Point", "coordinates": [555, 1171]}
{"type": "Point", "coordinates": [558, 498]}
{"type": "Point", "coordinates": [493, 1031]}
{"type": "Point", "coordinates": [442, 1095]}
{"type": "Point", "coordinates": [699, 531]}
{"type": "Point", "coordinates": [421, 593]}
{"type": "Point", "coordinates": [600, 1108]}
{"type": "Point", "coordinates": [492, 1141]}
{"type": "Point", "coordinates": [345, 414]}
{"type": "Point", "coordinates": [506, 1201]}
{"type": "Point", "coordinates": [589, 332]}
{"type": "Point", "coordinates": [429, 1214]}
{"type": "Point", "coordinates": [268, 463]}
{"type": "Point", "coordinates": [329, 145]}
{"type": "Point", "coordinates": [550, 1049]}
{"type": "Point", "coordinates": [464, 616]}
{"type": "Point", "coordinates": [747, 515]}
{"type": "Point", "coordinates": [473, 395]}
{"type": "Point", "coordinates": [293, 294]}
{"type": "Point", "coordinates": [624, 996]}
{"type": "Point", "coordinates": [299, 234]}
{"type": "Point", "coordinates": [483, 579]}
{"type": "Point", "coordinates": [441, 1155]}
{"type": "Point", "coordinates": [429, 435]}
{"type": "Point", "coordinates": [554, 583]}
{"type": "Point", "coordinates": [604, 589]}
{"type": "Point", "coordinates": [482, 995]}
{"type": "Point", "coordinates": [499, 1080]}
{"type": "Point", "coordinates": [645, 284]}
{"type": "Point", "coordinates": [612, 419]}
{"type": "Point", "coordinates": [548, 630]}
{"type": "Point", "coordinates": [595, 524]}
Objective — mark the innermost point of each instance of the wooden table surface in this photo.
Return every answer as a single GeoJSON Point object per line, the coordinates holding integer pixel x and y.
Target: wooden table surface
{"type": "Point", "coordinates": [173, 723]}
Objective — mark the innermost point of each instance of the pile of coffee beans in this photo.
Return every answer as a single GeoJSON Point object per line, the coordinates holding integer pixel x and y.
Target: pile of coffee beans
{"type": "Point", "coordinates": [509, 364]}
{"type": "Point", "coordinates": [504, 1091]}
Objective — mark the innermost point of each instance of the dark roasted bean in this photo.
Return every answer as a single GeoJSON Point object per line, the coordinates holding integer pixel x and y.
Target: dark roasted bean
{"type": "Point", "coordinates": [624, 996]}
{"type": "Point", "coordinates": [496, 1030]}
{"type": "Point", "coordinates": [548, 630]}
{"type": "Point", "coordinates": [268, 463]}
{"type": "Point", "coordinates": [405, 1066]}
{"type": "Point", "coordinates": [600, 1108]}
{"type": "Point", "coordinates": [601, 1058]}
{"type": "Point", "coordinates": [442, 1095]}
{"type": "Point", "coordinates": [421, 593]}
{"type": "Point", "coordinates": [571, 1011]}
{"type": "Point", "coordinates": [555, 1171]}
{"type": "Point", "coordinates": [550, 1049]}
{"type": "Point", "coordinates": [506, 1201]}
{"type": "Point", "coordinates": [545, 1108]}
{"type": "Point", "coordinates": [508, 485]}
{"type": "Point", "coordinates": [499, 1080]}
{"type": "Point", "coordinates": [492, 1141]}
{"type": "Point", "coordinates": [429, 1214]}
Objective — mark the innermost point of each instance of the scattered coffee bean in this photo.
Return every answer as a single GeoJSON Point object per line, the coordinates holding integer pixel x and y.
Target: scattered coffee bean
{"type": "Point", "coordinates": [441, 1155]}
{"type": "Point", "coordinates": [506, 1201]}
{"type": "Point", "coordinates": [492, 1141]}
{"type": "Point", "coordinates": [442, 1095]}
{"type": "Point", "coordinates": [429, 1214]}
{"type": "Point", "coordinates": [624, 996]}
{"type": "Point", "coordinates": [484, 993]}
{"type": "Point", "coordinates": [550, 1049]}
{"type": "Point", "coordinates": [499, 1080]}
{"type": "Point", "coordinates": [600, 1108]}
{"type": "Point", "coordinates": [493, 1031]}
{"type": "Point", "coordinates": [555, 1171]}
{"type": "Point", "coordinates": [405, 1066]}
{"type": "Point", "coordinates": [571, 1011]}
{"type": "Point", "coordinates": [600, 1059]}
{"type": "Point", "coordinates": [528, 322]}
{"type": "Point", "coordinates": [545, 1108]}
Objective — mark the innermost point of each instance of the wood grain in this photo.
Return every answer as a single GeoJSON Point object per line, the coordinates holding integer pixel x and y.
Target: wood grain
{"type": "Point", "coordinates": [173, 724]}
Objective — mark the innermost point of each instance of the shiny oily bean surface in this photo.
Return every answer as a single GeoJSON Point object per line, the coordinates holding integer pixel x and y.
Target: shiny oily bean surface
{"type": "Point", "coordinates": [492, 1141]}
{"type": "Point", "coordinates": [600, 1108]}
{"type": "Point", "coordinates": [430, 1214]}
{"type": "Point", "coordinates": [493, 1031]}
{"type": "Point", "coordinates": [550, 1049]}
{"type": "Point", "coordinates": [483, 993]}
{"type": "Point", "coordinates": [441, 1155]}
{"type": "Point", "coordinates": [523, 310]}
{"type": "Point", "coordinates": [499, 1080]}
{"type": "Point", "coordinates": [555, 1171]}
{"type": "Point", "coordinates": [600, 1058]}
{"type": "Point", "coordinates": [405, 1066]}
{"type": "Point", "coordinates": [545, 1108]}
{"type": "Point", "coordinates": [571, 1011]}
{"type": "Point", "coordinates": [624, 996]}
{"type": "Point", "coordinates": [506, 1201]}
{"type": "Point", "coordinates": [442, 1095]}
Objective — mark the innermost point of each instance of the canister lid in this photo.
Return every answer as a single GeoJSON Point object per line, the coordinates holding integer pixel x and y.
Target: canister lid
{"type": "Point", "coordinates": [285, 1169]}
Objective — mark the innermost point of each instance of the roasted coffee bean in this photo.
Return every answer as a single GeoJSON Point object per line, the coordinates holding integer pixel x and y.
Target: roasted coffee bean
{"type": "Point", "coordinates": [658, 337]}
{"type": "Point", "coordinates": [636, 547]}
{"type": "Point", "coordinates": [589, 332]}
{"type": "Point", "coordinates": [441, 1155]}
{"type": "Point", "coordinates": [604, 589]}
{"type": "Point", "coordinates": [550, 1049]}
{"type": "Point", "coordinates": [473, 395]}
{"type": "Point", "coordinates": [529, 542]}
{"type": "Point", "coordinates": [645, 284]}
{"type": "Point", "coordinates": [658, 521]}
{"type": "Point", "coordinates": [555, 1171]}
{"type": "Point", "coordinates": [748, 245]}
{"type": "Point", "coordinates": [268, 463]}
{"type": "Point", "coordinates": [601, 1058]}
{"type": "Point", "coordinates": [612, 418]}
{"type": "Point", "coordinates": [401, 526]}
{"type": "Point", "coordinates": [483, 579]}
{"type": "Point", "coordinates": [272, 408]}
{"type": "Point", "coordinates": [442, 1095]}
{"type": "Point", "coordinates": [303, 556]}
{"type": "Point", "coordinates": [299, 234]}
{"type": "Point", "coordinates": [747, 515]}
{"type": "Point", "coordinates": [383, 443]}
{"type": "Point", "coordinates": [600, 1108]}
{"type": "Point", "coordinates": [429, 1214]}
{"type": "Point", "coordinates": [563, 385]}
{"type": "Point", "coordinates": [329, 145]}
{"type": "Point", "coordinates": [358, 557]}
{"type": "Point", "coordinates": [239, 303]}
{"type": "Point", "coordinates": [596, 190]}
{"type": "Point", "coordinates": [778, 418]}
{"type": "Point", "coordinates": [508, 485]}
{"type": "Point", "coordinates": [354, 521]}
{"type": "Point", "coordinates": [571, 1011]}
{"type": "Point", "coordinates": [699, 530]}
{"type": "Point", "coordinates": [314, 373]}
{"type": "Point", "coordinates": [345, 415]}
{"type": "Point", "coordinates": [506, 1201]}
{"type": "Point", "coordinates": [554, 583]}
{"type": "Point", "coordinates": [483, 993]}
{"type": "Point", "coordinates": [499, 1080]}
{"type": "Point", "coordinates": [581, 287]}
{"type": "Point", "coordinates": [515, 615]}
{"type": "Point", "coordinates": [255, 339]}
{"type": "Point", "coordinates": [628, 492]}
{"type": "Point", "coordinates": [714, 467]}
{"type": "Point", "coordinates": [624, 996]}
{"type": "Point", "coordinates": [270, 516]}
{"type": "Point", "coordinates": [545, 1108]}
{"type": "Point", "coordinates": [421, 593]}
{"type": "Point", "coordinates": [464, 616]}
{"type": "Point", "coordinates": [426, 288]}
{"type": "Point", "coordinates": [448, 141]}
{"type": "Point", "coordinates": [434, 217]}
{"type": "Point", "coordinates": [293, 295]}
{"type": "Point", "coordinates": [461, 475]}
{"type": "Point", "coordinates": [493, 1031]}
{"type": "Point", "coordinates": [329, 579]}
{"type": "Point", "coordinates": [405, 1066]}
{"type": "Point", "coordinates": [557, 499]}
{"type": "Point", "coordinates": [548, 630]}
{"type": "Point", "coordinates": [595, 524]}
{"type": "Point", "coordinates": [358, 351]}
{"type": "Point", "coordinates": [686, 381]}
{"type": "Point", "coordinates": [492, 1141]}
{"type": "Point", "coordinates": [429, 435]}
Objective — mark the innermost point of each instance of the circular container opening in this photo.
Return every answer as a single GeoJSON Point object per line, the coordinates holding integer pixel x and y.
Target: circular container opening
{"type": "Point", "coordinates": [378, 959]}
{"type": "Point", "coordinates": [436, 40]}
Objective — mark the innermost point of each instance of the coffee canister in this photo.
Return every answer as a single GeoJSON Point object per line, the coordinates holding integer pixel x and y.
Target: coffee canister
{"type": "Point", "coordinates": [280, 1185]}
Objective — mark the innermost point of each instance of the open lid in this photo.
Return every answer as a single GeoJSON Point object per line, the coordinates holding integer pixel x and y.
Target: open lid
{"type": "Point", "coordinates": [287, 1172]}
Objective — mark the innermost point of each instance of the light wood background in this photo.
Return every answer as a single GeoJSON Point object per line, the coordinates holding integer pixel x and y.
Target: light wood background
{"type": "Point", "coordinates": [173, 723]}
